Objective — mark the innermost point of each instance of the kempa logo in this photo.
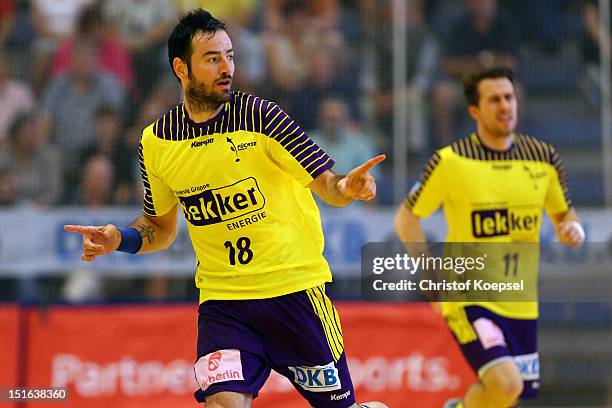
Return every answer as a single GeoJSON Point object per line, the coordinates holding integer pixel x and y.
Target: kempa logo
{"type": "Point", "coordinates": [338, 397]}
{"type": "Point", "coordinates": [224, 203]}
{"type": "Point", "coordinates": [502, 221]}
{"type": "Point", "coordinates": [318, 378]}
{"type": "Point", "coordinates": [205, 142]}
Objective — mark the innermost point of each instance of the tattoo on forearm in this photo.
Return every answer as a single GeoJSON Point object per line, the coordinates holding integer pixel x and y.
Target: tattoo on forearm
{"type": "Point", "coordinates": [146, 231]}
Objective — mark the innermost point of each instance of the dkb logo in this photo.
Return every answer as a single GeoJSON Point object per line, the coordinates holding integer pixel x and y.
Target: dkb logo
{"type": "Point", "coordinates": [318, 378]}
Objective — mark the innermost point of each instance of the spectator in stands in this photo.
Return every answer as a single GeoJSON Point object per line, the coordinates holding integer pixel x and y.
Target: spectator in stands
{"type": "Point", "coordinates": [110, 142]}
{"type": "Point", "coordinates": [7, 17]}
{"type": "Point", "coordinates": [70, 102]}
{"type": "Point", "coordinates": [421, 59]}
{"type": "Point", "coordinates": [8, 188]}
{"type": "Point", "coordinates": [53, 21]}
{"type": "Point", "coordinates": [96, 185]}
{"type": "Point", "coordinates": [18, 42]}
{"type": "Point", "coordinates": [144, 26]}
{"type": "Point", "coordinates": [340, 137]}
{"type": "Point", "coordinates": [483, 38]}
{"type": "Point", "coordinates": [306, 65]}
{"type": "Point", "coordinates": [322, 15]}
{"type": "Point", "coordinates": [35, 165]}
{"type": "Point", "coordinates": [591, 40]}
{"type": "Point", "coordinates": [288, 51]}
{"type": "Point", "coordinates": [540, 22]}
{"type": "Point", "coordinates": [112, 56]}
{"type": "Point", "coordinates": [233, 11]}
{"type": "Point", "coordinates": [15, 97]}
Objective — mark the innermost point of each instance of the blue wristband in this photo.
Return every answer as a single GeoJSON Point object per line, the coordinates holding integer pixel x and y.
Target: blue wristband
{"type": "Point", "coordinates": [131, 240]}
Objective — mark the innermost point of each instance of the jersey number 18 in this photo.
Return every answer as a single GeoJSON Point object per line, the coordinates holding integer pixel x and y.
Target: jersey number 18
{"type": "Point", "coordinates": [244, 256]}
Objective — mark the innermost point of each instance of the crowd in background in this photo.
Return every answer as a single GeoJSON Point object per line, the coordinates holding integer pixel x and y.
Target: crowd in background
{"type": "Point", "coordinates": [80, 79]}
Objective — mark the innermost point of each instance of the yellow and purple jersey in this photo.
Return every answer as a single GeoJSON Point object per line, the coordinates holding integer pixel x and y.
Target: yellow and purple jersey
{"type": "Point", "coordinates": [493, 196]}
{"type": "Point", "coordinates": [241, 181]}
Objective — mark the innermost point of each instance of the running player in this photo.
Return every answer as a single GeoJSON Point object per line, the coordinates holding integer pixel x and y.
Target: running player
{"type": "Point", "coordinates": [241, 171]}
{"type": "Point", "coordinates": [480, 181]}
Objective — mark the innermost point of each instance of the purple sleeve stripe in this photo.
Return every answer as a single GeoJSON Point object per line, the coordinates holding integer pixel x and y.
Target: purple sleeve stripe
{"type": "Point", "coordinates": [315, 162]}
{"type": "Point", "coordinates": [308, 160]}
{"type": "Point", "coordinates": [283, 124]}
{"type": "Point", "coordinates": [289, 134]}
{"type": "Point", "coordinates": [296, 141]}
{"type": "Point", "coordinates": [303, 151]}
{"type": "Point", "coordinates": [327, 165]}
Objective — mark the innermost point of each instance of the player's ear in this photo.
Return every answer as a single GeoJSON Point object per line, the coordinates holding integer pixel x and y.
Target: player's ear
{"type": "Point", "coordinates": [180, 68]}
{"type": "Point", "coordinates": [473, 111]}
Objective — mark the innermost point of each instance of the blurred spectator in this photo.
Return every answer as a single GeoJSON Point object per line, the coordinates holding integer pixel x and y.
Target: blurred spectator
{"type": "Point", "coordinates": [289, 49]}
{"type": "Point", "coordinates": [15, 97]}
{"type": "Point", "coordinates": [110, 142]}
{"type": "Point", "coordinates": [18, 44]}
{"type": "Point", "coordinates": [96, 185]}
{"type": "Point", "coordinates": [482, 39]}
{"type": "Point", "coordinates": [341, 139]}
{"type": "Point", "coordinates": [53, 21]}
{"type": "Point", "coordinates": [70, 102]}
{"type": "Point", "coordinates": [7, 17]}
{"type": "Point", "coordinates": [591, 40]}
{"type": "Point", "coordinates": [321, 14]}
{"type": "Point", "coordinates": [305, 65]}
{"type": "Point", "coordinates": [35, 165]}
{"type": "Point", "coordinates": [231, 12]}
{"type": "Point", "coordinates": [540, 21]}
{"type": "Point", "coordinates": [421, 60]}
{"type": "Point", "coordinates": [8, 188]}
{"type": "Point", "coordinates": [111, 55]}
{"type": "Point", "coordinates": [144, 26]}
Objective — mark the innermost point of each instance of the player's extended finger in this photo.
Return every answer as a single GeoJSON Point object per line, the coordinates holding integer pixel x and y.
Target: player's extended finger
{"type": "Point", "coordinates": [365, 167]}
{"type": "Point", "coordinates": [81, 229]}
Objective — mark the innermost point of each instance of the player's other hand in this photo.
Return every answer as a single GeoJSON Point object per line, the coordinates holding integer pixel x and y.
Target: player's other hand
{"type": "Point", "coordinates": [570, 233]}
{"type": "Point", "coordinates": [359, 184]}
{"type": "Point", "coordinates": [97, 241]}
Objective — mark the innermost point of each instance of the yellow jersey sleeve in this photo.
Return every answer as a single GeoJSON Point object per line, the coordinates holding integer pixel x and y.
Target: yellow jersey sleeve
{"type": "Point", "coordinates": [291, 149]}
{"type": "Point", "coordinates": [557, 198]}
{"type": "Point", "coordinates": [429, 192]}
{"type": "Point", "coordinates": [158, 196]}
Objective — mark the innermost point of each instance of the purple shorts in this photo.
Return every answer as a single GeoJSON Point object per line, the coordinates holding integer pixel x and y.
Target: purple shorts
{"type": "Point", "coordinates": [297, 335]}
{"type": "Point", "coordinates": [501, 339]}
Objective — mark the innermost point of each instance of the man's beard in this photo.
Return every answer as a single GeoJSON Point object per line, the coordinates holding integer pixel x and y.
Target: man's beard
{"type": "Point", "coordinates": [202, 98]}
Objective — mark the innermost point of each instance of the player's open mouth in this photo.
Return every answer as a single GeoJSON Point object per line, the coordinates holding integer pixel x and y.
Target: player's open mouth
{"type": "Point", "coordinates": [224, 84]}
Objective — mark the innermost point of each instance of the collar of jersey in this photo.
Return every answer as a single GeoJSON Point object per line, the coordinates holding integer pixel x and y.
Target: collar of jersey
{"type": "Point", "coordinates": [209, 122]}
{"type": "Point", "coordinates": [488, 149]}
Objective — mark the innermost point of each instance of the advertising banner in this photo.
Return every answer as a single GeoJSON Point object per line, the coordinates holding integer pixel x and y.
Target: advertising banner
{"type": "Point", "coordinates": [346, 231]}
{"type": "Point", "coordinates": [137, 356]}
{"type": "Point", "coordinates": [9, 351]}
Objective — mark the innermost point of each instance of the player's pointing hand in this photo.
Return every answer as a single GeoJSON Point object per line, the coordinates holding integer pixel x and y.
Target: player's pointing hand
{"type": "Point", "coordinates": [97, 241]}
{"type": "Point", "coordinates": [359, 184]}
